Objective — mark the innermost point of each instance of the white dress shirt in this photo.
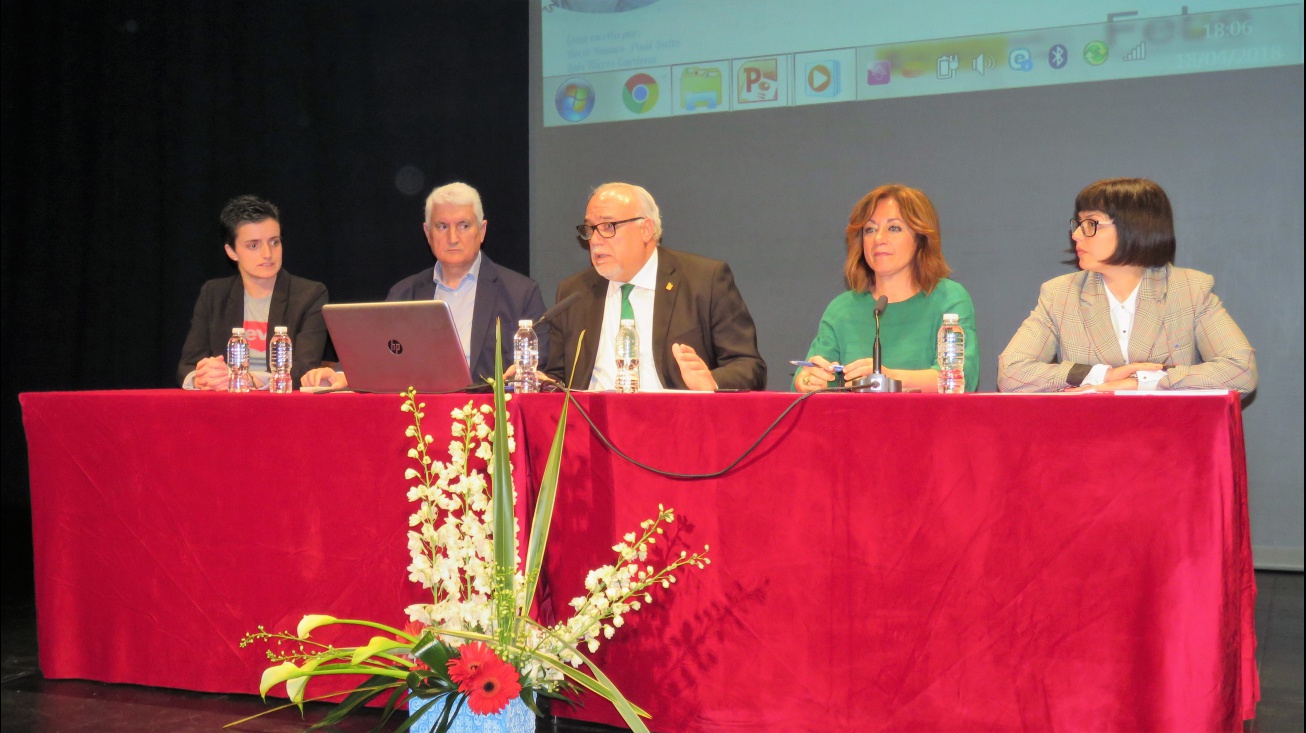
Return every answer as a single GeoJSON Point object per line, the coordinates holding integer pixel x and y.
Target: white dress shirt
{"type": "Point", "coordinates": [641, 301]}
{"type": "Point", "coordinates": [461, 301]}
{"type": "Point", "coordinates": [1122, 319]}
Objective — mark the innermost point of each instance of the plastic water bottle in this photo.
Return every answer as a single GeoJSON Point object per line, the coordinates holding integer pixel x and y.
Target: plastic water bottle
{"type": "Point", "coordinates": [627, 357]}
{"type": "Point", "coordinates": [526, 357]}
{"type": "Point", "coordinates": [281, 356]}
{"type": "Point", "coordinates": [952, 356]}
{"type": "Point", "coordinates": [238, 362]}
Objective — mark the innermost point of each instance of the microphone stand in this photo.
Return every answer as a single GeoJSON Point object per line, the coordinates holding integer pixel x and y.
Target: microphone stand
{"type": "Point", "coordinates": [878, 381]}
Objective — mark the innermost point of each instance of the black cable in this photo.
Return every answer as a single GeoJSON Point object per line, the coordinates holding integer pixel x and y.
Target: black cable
{"type": "Point", "coordinates": [671, 474]}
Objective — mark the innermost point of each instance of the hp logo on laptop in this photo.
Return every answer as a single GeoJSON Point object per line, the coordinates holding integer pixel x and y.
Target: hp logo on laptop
{"type": "Point", "coordinates": [395, 347]}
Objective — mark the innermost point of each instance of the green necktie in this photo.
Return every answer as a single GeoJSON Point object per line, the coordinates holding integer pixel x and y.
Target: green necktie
{"type": "Point", "coordinates": [627, 312]}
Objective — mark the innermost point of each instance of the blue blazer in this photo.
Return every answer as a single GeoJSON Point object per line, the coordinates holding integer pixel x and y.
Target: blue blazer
{"type": "Point", "coordinates": [500, 293]}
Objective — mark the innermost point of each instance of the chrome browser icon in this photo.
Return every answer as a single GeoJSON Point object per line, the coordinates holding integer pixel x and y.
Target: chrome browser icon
{"type": "Point", "coordinates": [640, 93]}
{"type": "Point", "coordinates": [574, 99]}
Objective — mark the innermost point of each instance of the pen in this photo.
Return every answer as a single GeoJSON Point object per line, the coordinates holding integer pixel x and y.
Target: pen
{"type": "Point", "coordinates": [836, 368]}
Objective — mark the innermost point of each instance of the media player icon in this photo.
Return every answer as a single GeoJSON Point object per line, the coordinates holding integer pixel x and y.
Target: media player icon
{"type": "Point", "coordinates": [823, 79]}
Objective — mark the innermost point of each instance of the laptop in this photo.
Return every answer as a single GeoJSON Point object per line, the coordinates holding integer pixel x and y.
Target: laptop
{"type": "Point", "coordinates": [389, 347]}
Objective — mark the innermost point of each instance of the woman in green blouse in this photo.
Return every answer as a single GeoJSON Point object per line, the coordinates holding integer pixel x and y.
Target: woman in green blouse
{"type": "Point", "coordinates": [894, 251]}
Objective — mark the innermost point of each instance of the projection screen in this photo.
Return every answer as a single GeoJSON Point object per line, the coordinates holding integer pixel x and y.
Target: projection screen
{"type": "Point", "coordinates": [758, 124]}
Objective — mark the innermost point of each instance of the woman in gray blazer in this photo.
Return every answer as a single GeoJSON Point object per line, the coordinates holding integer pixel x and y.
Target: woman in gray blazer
{"type": "Point", "coordinates": [1129, 319]}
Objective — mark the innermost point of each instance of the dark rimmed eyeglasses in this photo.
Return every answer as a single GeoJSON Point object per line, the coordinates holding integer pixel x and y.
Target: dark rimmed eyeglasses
{"type": "Point", "coordinates": [606, 229]}
{"type": "Point", "coordinates": [1090, 226]}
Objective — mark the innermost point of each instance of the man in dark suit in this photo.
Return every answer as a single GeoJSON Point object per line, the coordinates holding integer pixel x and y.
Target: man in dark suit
{"type": "Point", "coordinates": [476, 290]}
{"type": "Point", "coordinates": [695, 331]}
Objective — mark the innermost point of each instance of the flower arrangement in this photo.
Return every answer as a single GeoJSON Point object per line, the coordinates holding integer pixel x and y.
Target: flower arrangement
{"type": "Point", "coordinates": [475, 645]}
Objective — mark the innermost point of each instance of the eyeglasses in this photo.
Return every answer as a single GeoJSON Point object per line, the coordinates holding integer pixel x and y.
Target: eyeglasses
{"type": "Point", "coordinates": [607, 229]}
{"type": "Point", "coordinates": [1090, 226]}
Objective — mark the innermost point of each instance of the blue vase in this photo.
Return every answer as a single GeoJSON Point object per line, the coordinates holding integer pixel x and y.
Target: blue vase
{"type": "Point", "coordinates": [516, 718]}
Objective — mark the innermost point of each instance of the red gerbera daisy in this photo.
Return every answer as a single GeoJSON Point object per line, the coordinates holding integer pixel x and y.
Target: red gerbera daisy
{"type": "Point", "coordinates": [471, 657]}
{"type": "Point", "coordinates": [493, 686]}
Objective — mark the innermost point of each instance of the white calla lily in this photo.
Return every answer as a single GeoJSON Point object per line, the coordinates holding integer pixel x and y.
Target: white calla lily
{"type": "Point", "coordinates": [273, 676]}
{"type": "Point", "coordinates": [377, 645]}
{"type": "Point", "coordinates": [312, 621]}
{"type": "Point", "coordinates": [295, 685]}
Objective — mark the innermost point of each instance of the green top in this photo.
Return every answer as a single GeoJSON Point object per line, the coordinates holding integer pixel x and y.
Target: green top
{"type": "Point", "coordinates": [909, 330]}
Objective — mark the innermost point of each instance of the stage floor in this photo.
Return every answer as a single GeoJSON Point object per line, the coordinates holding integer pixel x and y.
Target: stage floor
{"type": "Point", "coordinates": [28, 702]}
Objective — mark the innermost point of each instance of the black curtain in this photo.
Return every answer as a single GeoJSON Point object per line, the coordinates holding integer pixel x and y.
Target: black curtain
{"type": "Point", "coordinates": [127, 125]}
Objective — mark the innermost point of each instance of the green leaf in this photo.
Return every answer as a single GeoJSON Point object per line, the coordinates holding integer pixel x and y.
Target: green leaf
{"type": "Point", "coordinates": [629, 713]}
{"type": "Point", "coordinates": [377, 645]}
{"type": "Point", "coordinates": [529, 698]}
{"type": "Point", "coordinates": [447, 714]}
{"type": "Point", "coordinates": [374, 686]}
{"type": "Point", "coordinates": [389, 709]}
{"type": "Point", "coordinates": [434, 654]}
{"type": "Point", "coordinates": [505, 516]}
{"type": "Point", "coordinates": [539, 538]}
{"type": "Point", "coordinates": [599, 684]}
{"type": "Point", "coordinates": [415, 715]}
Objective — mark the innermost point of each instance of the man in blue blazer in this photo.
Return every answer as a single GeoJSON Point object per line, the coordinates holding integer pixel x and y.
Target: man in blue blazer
{"type": "Point", "coordinates": [476, 290]}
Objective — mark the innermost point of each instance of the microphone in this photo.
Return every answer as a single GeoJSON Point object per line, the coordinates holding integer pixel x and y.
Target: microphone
{"type": "Point", "coordinates": [881, 303]}
{"type": "Point", "coordinates": [559, 307]}
{"type": "Point", "coordinates": [877, 381]}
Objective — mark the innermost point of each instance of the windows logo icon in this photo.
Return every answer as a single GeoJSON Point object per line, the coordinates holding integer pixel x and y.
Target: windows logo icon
{"type": "Point", "coordinates": [640, 93]}
{"type": "Point", "coordinates": [574, 100]}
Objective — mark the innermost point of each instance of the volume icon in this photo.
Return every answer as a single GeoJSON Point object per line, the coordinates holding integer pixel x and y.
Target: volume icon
{"type": "Point", "coordinates": [983, 63]}
{"type": "Point", "coordinates": [1137, 53]}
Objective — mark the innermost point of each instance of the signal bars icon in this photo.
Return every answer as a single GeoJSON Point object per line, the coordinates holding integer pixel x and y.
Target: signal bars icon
{"type": "Point", "coordinates": [983, 63]}
{"type": "Point", "coordinates": [1137, 53]}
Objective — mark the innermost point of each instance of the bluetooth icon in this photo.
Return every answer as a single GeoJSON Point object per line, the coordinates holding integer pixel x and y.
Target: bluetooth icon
{"type": "Point", "coordinates": [1057, 56]}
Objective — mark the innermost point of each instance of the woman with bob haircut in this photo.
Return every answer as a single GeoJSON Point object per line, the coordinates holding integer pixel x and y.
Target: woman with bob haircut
{"type": "Point", "coordinates": [1129, 319]}
{"type": "Point", "coordinates": [893, 251]}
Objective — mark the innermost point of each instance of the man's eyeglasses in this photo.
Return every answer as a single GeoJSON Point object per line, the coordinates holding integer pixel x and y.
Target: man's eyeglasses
{"type": "Point", "coordinates": [606, 229]}
{"type": "Point", "coordinates": [1090, 226]}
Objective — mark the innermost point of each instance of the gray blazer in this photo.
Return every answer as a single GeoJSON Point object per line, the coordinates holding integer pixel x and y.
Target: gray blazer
{"type": "Point", "coordinates": [1179, 322]}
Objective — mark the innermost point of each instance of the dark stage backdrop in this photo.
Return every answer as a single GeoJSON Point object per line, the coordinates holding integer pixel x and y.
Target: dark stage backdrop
{"type": "Point", "coordinates": [127, 125]}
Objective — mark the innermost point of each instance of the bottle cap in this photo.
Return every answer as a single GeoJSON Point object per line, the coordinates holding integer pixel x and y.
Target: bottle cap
{"type": "Point", "coordinates": [237, 331]}
{"type": "Point", "coordinates": [949, 317]}
{"type": "Point", "coordinates": [524, 323]}
{"type": "Point", "coordinates": [279, 329]}
{"type": "Point", "coordinates": [628, 322]}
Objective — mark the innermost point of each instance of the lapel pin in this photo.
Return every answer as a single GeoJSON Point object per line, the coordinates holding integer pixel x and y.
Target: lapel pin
{"type": "Point", "coordinates": [669, 286]}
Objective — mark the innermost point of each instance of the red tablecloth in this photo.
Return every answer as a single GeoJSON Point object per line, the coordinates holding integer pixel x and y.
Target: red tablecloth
{"type": "Point", "coordinates": [882, 562]}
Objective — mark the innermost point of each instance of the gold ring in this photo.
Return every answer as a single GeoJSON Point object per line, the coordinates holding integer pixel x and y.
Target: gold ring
{"type": "Point", "coordinates": [807, 380]}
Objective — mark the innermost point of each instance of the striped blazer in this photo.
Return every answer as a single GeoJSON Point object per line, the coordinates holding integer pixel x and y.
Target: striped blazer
{"type": "Point", "coordinates": [1178, 322]}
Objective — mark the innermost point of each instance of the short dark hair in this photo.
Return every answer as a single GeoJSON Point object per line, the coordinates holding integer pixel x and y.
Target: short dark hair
{"type": "Point", "coordinates": [1143, 219]}
{"type": "Point", "coordinates": [245, 210]}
